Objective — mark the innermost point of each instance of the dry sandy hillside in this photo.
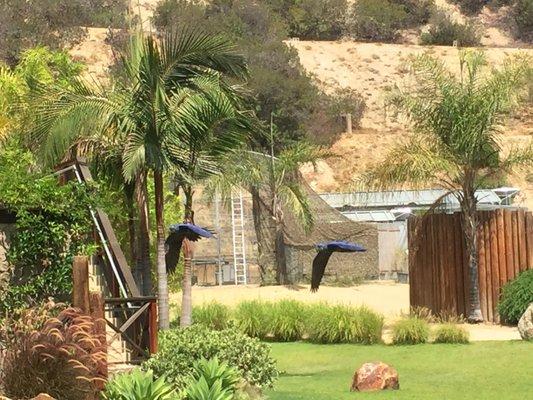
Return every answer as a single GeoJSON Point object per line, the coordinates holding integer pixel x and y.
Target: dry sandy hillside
{"type": "Point", "coordinates": [370, 68]}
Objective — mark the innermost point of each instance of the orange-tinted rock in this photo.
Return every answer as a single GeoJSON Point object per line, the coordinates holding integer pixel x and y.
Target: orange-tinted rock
{"type": "Point", "coordinates": [375, 376]}
{"type": "Point", "coordinates": [43, 396]}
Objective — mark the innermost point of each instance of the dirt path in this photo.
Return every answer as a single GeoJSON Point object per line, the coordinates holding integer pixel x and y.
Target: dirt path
{"type": "Point", "coordinates": [388, 298]}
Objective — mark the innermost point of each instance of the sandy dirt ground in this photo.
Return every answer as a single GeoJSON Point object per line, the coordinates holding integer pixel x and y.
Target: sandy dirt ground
{"type": "Point", "coordinates": [388, 298]}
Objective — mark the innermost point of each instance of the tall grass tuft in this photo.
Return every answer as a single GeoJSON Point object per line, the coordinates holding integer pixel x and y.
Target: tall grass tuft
{"type": "Point", "coordinates": [410, 331]}
{"type": "Point", "coordinates": [252, 318]}
{"type": "Point", "coordinates": [213, 315]}
{"type": "Point", "coordinates": [287, 320]}
{"type": "Point", "coordinates": [450, 333]}
{"type": "Point", "coordinates": [343, 324]}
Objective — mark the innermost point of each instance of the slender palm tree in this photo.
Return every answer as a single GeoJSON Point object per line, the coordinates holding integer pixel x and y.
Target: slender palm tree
{"type": "Point", "coordinates": [152, 110]}
{"type": "Point", "coordinates": [223, 131]}
{"type": "Point", "coordinates": [275, 185]}
{"type": "Point", "coordinates": [455, 145]}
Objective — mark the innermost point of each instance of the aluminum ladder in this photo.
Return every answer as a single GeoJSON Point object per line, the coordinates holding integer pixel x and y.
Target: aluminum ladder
{"type": "Point", "coordinates": [238, 238]}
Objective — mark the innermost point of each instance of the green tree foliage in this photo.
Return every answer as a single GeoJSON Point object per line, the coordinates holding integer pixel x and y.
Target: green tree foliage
{"type": "Point", "coordinates": [174, 111]}
{"type": "Point", "coordinates": [455, 144]}
{"type": "Point", "coordinates": [277, 81]}
{"type": "Point", "coordinates": [51, 228]}
{"type": "Point", "coordinates": [36, 68]}
{"type": "Point", "coordinates": [55, 23]}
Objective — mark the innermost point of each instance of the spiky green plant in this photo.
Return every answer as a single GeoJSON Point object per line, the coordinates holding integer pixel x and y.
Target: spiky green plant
{"type": "Point", "coordinates": [138, 385]}
{"type": "Point", "coordinates": [455, 145]}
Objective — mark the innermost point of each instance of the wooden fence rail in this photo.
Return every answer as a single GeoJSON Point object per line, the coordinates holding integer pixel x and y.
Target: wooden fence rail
{"type": "Point", "coordinates": [438, 267]}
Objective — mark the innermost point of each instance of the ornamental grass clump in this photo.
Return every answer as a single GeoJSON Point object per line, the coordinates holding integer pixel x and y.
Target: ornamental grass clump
{"type": "Point", "coordinates": [410, 331]}
{"type": "Point", "coordinates": [343, 324]}
{"type": "Point", "coordinates": [252, 318]}
{"type": "Point", "coordinates": [64, 357]}
{"type": "Point", "coordinates": [213, 315]}
{"type": "Point", "coordinates": [287, 320]}
{"type": "Point", "coordinates": [451, 333]}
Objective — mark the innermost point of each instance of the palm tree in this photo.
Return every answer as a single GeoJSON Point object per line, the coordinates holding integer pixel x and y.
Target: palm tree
{"type": "Point", "coordinates": [455, 144]}
{"type": "Point", "coordinates": [274, 182]}
{"type": "Point", "coordinates": [223, 131]}
{"type": "Point", "coordinates": [152, 111]}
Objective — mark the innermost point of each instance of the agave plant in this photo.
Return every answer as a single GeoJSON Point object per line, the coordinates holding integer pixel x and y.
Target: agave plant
{"type": "Point", "coordinates": [212, 380]}
{"type": "Point", "coordinates": [138, 385]}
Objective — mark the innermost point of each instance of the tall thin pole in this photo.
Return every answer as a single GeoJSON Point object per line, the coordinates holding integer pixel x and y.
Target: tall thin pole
{"type": "Point", "coordinates": [219, 244]}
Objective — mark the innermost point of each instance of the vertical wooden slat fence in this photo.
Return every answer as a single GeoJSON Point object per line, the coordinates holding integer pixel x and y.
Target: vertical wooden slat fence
{"type": "Point", "coordinates": [438, 267]}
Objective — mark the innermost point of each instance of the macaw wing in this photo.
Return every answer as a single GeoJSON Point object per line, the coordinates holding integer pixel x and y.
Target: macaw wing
{"type": "Point", "coordinates": [319, 267]}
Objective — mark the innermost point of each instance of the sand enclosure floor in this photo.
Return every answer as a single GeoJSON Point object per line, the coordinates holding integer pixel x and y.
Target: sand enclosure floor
{"type": "Point", "coordinates": [388, 298]}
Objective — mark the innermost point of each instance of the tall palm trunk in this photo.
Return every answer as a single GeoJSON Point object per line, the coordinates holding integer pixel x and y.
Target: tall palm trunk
{"type": "Point", "coordinates": [186, 286]}
{"type": "Point", "coordinates": [266, 239]}
{"type": "Point", "coordinates": [162, 281]}
{"type": "Point", "coordinates": [129, 193]}
{"type": "Point", "coordinates": [143, 261]}
{"type": "Point", "coordinates": [470, 225]}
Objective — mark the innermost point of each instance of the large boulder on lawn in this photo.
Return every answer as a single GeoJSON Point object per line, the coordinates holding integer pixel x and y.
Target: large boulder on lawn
{"type": "Point", "coordinates": [43, 396]}
{"type": "Point", "coordinates": [525, 325]}
{"type": "Point", "coordinates": [375, 376]}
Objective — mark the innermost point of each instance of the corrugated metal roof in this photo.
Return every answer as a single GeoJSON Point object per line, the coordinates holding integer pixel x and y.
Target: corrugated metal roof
{"type": "Point", "coordinates": [420, 198]}
{"type": "Point", "coordinates": [370, 216]}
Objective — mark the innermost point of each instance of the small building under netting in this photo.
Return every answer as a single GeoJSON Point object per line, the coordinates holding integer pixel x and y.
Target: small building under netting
{"type": "Point", "coordinates": [232, 257]}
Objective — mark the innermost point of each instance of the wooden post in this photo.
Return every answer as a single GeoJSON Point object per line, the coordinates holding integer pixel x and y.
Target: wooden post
{"type": "Point", "coordinates": [348, 118]}
{"type": "Point", "coordinates": [80, 283]}
{"type": "Point", "coordinates": [96, 305]}
{"type": "Point", "coordinates": [152, 326]}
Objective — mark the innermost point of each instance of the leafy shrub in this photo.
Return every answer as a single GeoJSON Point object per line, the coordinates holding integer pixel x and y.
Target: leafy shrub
{"type": "Point", "coordinates": [138, 385]}
{"type": "Point", "coordinates": [418, 11]}
{"type": "Point", "coordinates": [287, 320]}
{"type": "Point", "coordinates": [444, 31]}
{"type": "Point", "coordinates": [54, 23]}
{"type": "Point", "coordinates": [523, 15]}
{"type": "Point", "coordinates": [312, 19]}
{"type": "Point", "coordinates": [251, 317]}
{"type": "Point", "coordinates": [515, 297]}
{"type": "Point", "coordinates": [63, 358]}
{"type": "Point", "coordinates": [213, 315]}
{"type": "Point", "coordinates": [179, 349]}
{"type": "Point", "coordinates": [410, 331]}
{"type": "Point", "coordinates": [343, 324]}
{"type": "Point", "coordinates": [212, 380]}
{"type": "Point", "coordinates": [51, 228]}
{"type": "Point", "coordinates": [470, 6]}
{"type": "Point", "coordinates": [450, 333]}
{"type": "Point", "coordinates": [375, 20]}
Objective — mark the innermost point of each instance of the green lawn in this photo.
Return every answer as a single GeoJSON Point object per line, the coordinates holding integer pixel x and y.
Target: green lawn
{"type": "Point", "coordinates": [482, 370]}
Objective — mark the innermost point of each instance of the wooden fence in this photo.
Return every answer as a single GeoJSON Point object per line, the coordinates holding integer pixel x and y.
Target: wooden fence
{"type": "Point", "coordinates": [438, 267]}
